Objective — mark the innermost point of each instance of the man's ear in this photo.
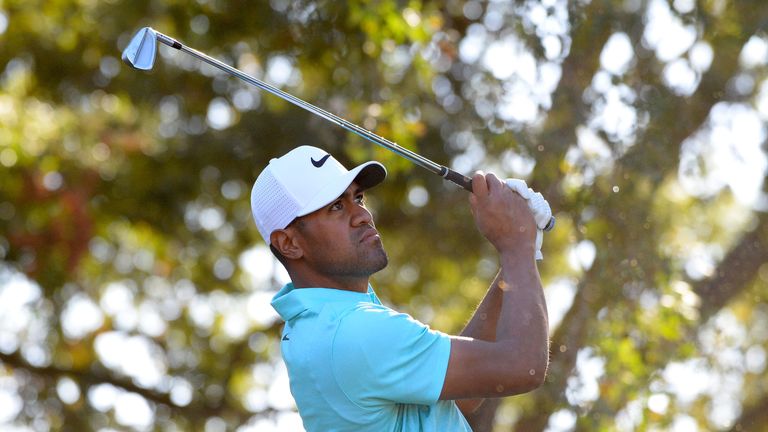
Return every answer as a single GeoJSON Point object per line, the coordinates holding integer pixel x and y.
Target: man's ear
{"type": "Point", "coordinates": [284, 240]}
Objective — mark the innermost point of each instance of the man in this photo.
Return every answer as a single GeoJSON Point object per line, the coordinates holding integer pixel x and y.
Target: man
{"type": "Point", "coordinates": [356, 365]}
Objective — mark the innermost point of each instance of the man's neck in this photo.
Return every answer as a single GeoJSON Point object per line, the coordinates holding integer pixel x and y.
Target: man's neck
{"type": "Point", "coordinates": [356, 284]}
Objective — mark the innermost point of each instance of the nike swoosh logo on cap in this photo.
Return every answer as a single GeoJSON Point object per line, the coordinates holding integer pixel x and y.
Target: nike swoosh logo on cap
{"type": "Point", "coordinates": [320, 162]}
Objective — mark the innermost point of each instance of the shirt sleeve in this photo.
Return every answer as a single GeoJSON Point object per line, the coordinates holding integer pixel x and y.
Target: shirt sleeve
{"type": "Point", "coordinates": [382, 355]}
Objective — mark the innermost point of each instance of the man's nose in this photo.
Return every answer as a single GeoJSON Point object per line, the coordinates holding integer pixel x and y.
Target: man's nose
{"type": "Point", "coordinates": [361, 216]}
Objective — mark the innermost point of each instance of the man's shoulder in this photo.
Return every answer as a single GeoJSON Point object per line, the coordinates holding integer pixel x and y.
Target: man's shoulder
{"type": "Point", "coordinates": [364, 315]}
{"type": "Point", "coordinates": [356, 320]}
{"type": "Point", "coordinates": [377, 325]}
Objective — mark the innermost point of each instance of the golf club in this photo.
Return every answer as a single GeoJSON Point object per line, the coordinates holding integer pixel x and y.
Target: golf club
{"type": "Point", "coordinates": [140, 54]}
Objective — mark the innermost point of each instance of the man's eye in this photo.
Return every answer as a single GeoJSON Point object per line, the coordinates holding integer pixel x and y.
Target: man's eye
{"type": "Point", "coordinates": [360, 199]}
{"type": "Point", "coordinates": [336, 206]}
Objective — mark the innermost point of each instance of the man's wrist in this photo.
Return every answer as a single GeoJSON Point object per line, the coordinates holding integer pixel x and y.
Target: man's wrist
{"type": "Point", "coordinates": [517, 261]}
{"type": "Point", "coordinates": [517, 250]}
{"type": "Point", "coordinates": [518, 271]}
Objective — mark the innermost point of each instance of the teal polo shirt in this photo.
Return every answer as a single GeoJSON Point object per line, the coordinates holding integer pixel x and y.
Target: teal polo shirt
{"type": "Point", "coordinates": [356, 365]}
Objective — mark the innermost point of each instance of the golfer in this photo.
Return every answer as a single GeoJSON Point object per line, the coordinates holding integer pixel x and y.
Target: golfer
{"type": "Point", "coordinates": [357, 365]}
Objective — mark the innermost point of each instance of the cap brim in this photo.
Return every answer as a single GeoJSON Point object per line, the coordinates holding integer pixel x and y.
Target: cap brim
{"type": "Point", "coordinates": [366, 175]}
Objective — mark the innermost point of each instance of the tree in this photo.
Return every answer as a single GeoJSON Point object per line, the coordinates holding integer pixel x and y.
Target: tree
{"type": "Point", "coordinates": [134, 287]}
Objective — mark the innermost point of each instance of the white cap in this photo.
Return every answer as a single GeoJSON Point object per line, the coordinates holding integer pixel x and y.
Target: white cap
{"type": "Point", "coordinates": [302, 181]}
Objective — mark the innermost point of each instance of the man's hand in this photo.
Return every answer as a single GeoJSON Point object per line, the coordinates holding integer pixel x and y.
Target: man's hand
{"type": "Point", "coordinates": [502, 215]}
{"type": "Point", "coordinates": [542, 213]}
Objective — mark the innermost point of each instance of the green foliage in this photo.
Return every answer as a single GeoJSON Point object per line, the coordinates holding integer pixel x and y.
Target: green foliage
{"type": "Point", "coordinates": [123, 201]}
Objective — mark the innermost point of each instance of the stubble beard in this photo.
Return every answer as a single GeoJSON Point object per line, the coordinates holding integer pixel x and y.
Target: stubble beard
{"type": "Point", "coordinates": [367, 261]}
{"type": "Point", "coordinates": [377, 258]}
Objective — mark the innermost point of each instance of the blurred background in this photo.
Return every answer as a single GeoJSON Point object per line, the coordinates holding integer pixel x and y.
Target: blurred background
{"type": "Point", "coordinates": [135, 289]}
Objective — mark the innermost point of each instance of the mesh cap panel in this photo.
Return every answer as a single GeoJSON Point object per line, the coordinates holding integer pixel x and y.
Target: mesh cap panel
{"type": "Point", "coordinates": [273, 207]}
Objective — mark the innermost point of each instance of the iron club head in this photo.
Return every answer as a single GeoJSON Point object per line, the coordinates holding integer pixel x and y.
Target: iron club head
{"type": "Point", "coordinates": [140, 52]}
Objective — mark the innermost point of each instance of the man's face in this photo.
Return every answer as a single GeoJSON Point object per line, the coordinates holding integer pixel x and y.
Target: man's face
{"type": "Point", "coordinates": [340, 239]}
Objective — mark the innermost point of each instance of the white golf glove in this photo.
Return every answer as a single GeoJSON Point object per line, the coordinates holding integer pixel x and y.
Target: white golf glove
{"type": "Point", "coordinates": [538, 205]}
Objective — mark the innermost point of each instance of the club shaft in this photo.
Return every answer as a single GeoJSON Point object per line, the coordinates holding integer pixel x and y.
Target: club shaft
{"type": "Point", "coordinates": [445, 172]}
{"type": "Point", "coordinates": [364, 133]}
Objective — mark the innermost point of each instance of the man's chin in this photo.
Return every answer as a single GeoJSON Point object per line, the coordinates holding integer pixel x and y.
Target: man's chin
{"type": "Point", "coordinates": [382, 266]}
{"type": "Point", "coordinates": [379, 261]}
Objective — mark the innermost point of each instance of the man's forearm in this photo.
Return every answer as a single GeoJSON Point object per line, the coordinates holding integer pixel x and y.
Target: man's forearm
{"type": "Point", "coordinates": [523, 320]}
{"type": "Point", "coordinates": [482, 326]}
{"type": "Point", "coordinates": [483, 323]}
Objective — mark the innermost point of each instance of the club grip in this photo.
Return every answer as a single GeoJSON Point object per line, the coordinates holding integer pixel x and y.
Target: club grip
{"type": "Point", "coordinates": [466, 183]}
{"type": "Point", "coordinates": [458, 178]}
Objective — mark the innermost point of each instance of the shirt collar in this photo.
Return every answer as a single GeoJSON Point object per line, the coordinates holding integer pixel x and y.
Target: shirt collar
{"type": "Point", "coordinates": [289, 302]}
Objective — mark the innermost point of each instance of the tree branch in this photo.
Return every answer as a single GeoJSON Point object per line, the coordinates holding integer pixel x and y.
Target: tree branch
{"type": "Point", "coordinates": [195, 410]}
{"type": "Point", "coordinates": [753, 418]}
{"type": "Point", "coordinates": [568, 107]}
{"type": "Point", "coordinates": [658, 147]}
{"type": "Point", "coordinates": [739, 267]}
